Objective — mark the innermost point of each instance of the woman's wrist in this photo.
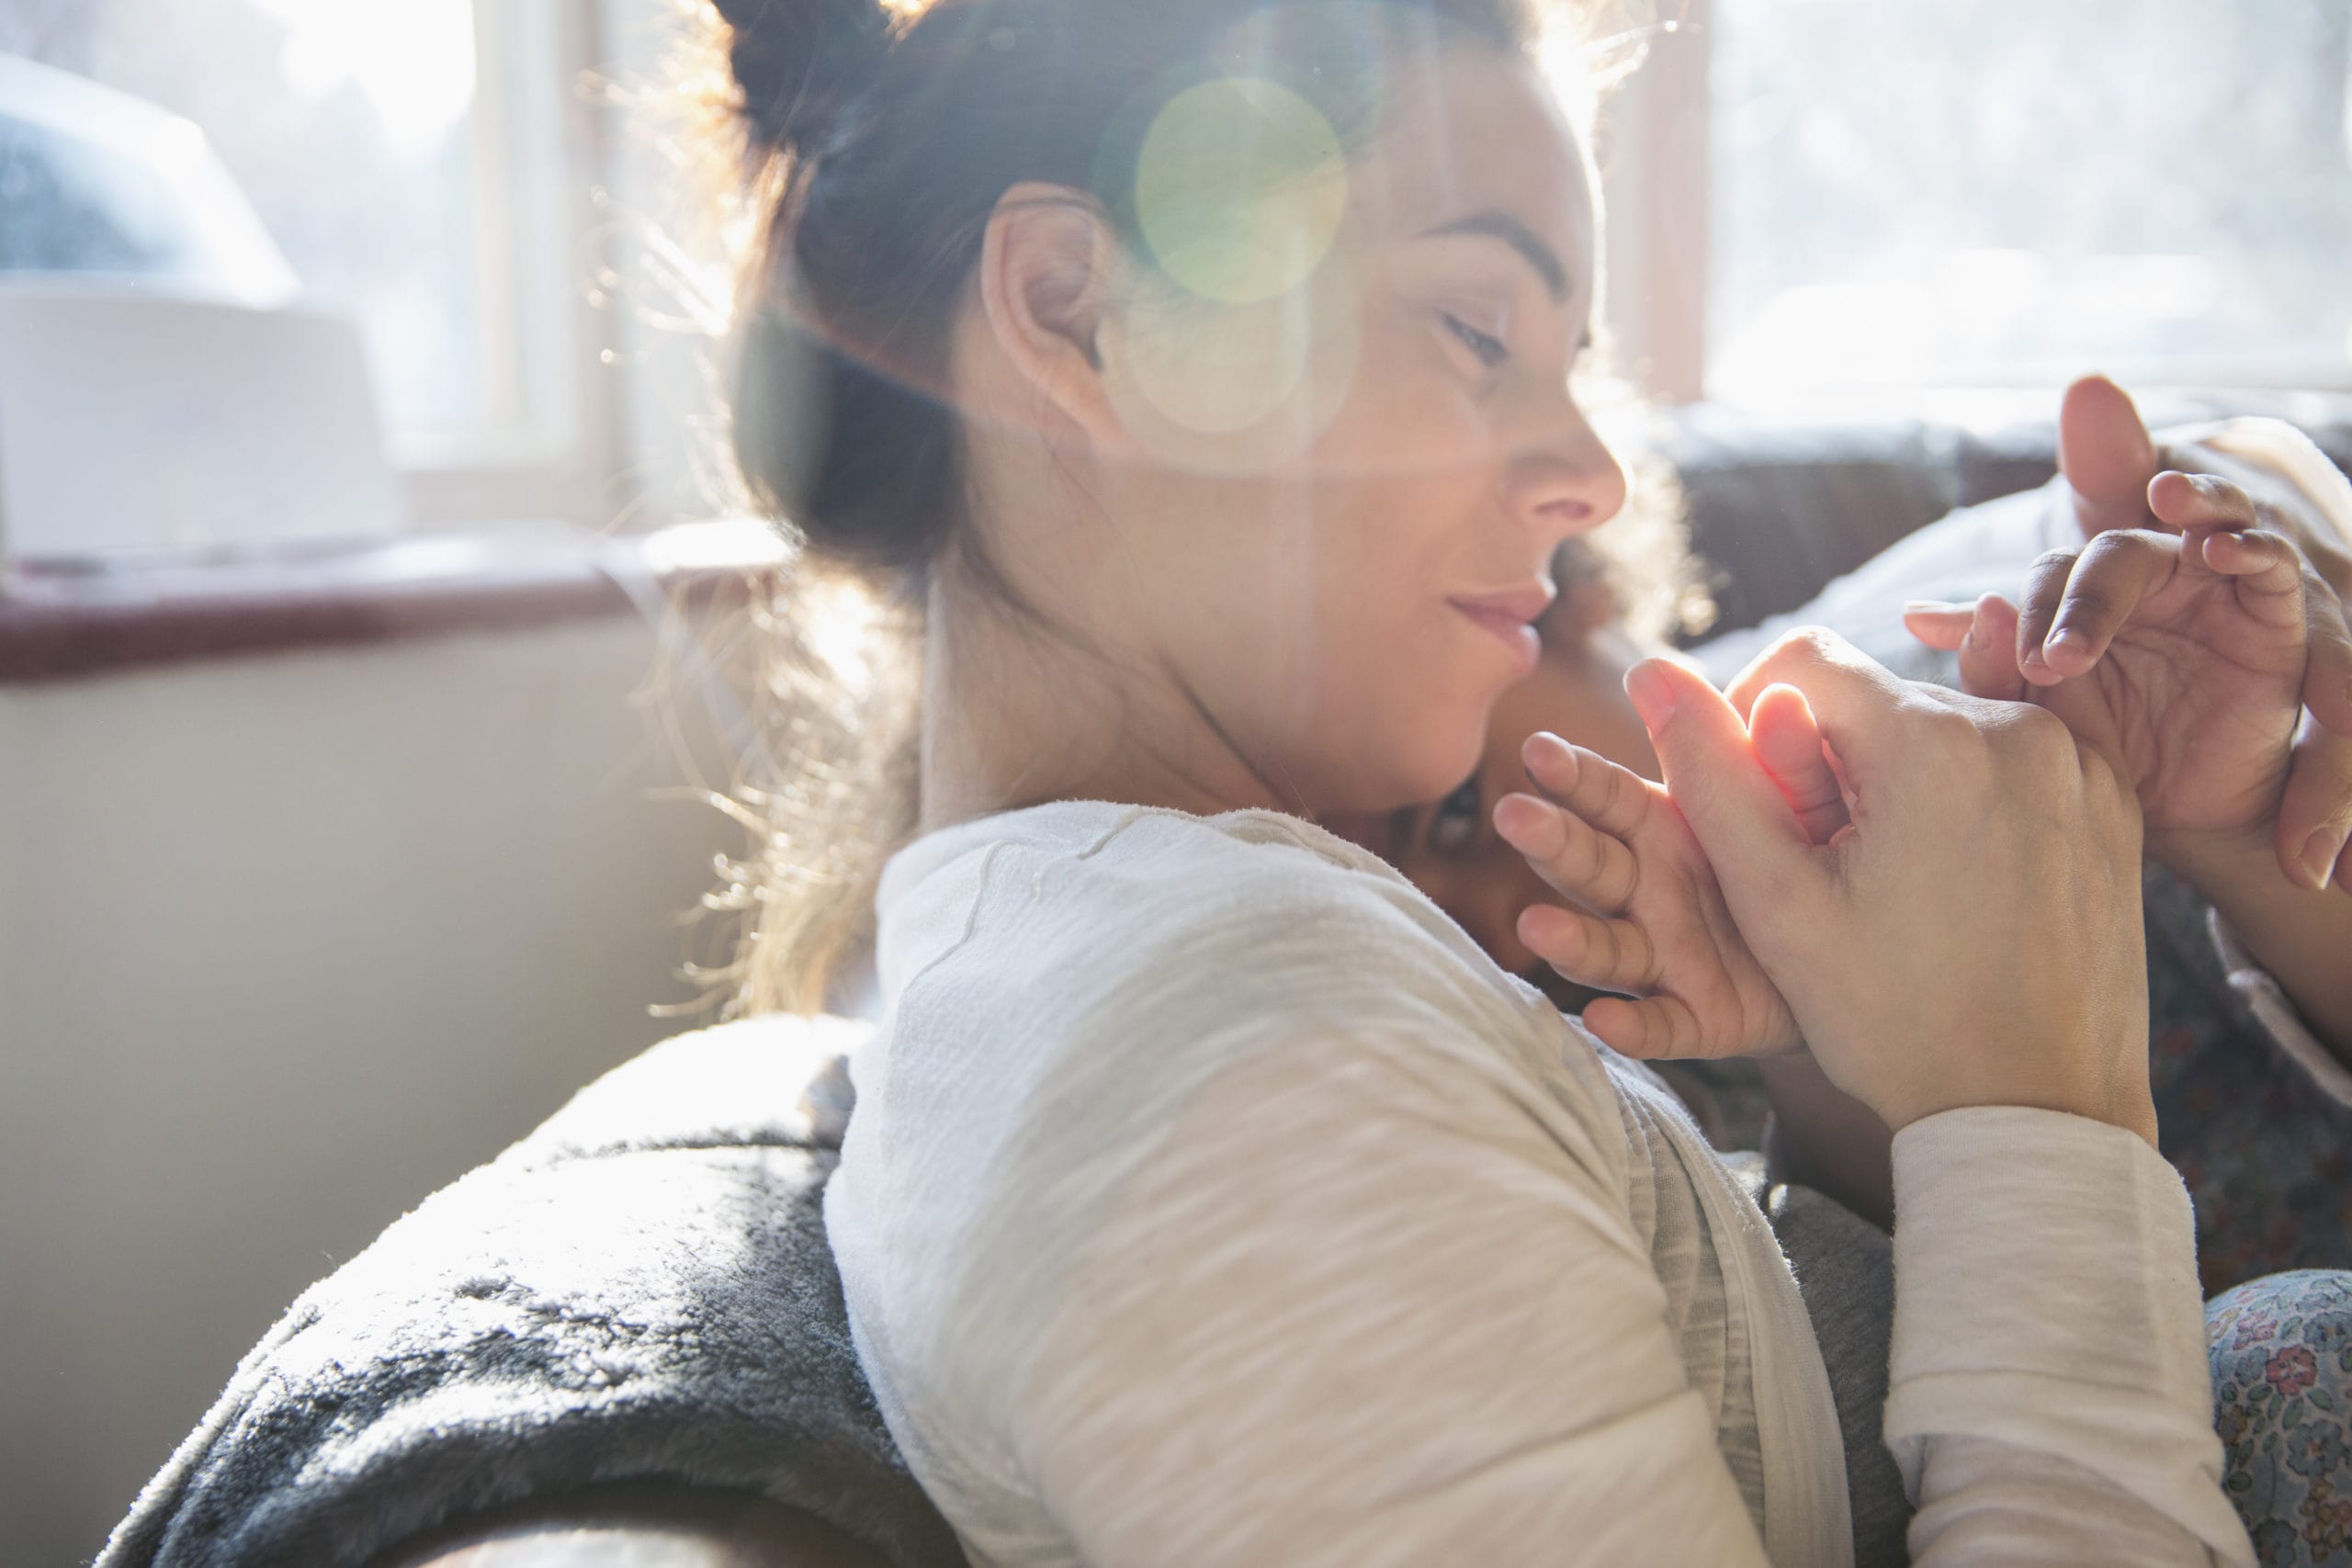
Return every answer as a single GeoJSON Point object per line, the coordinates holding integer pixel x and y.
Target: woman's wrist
{"type": "Point", "coordinates": [2123, 1101]}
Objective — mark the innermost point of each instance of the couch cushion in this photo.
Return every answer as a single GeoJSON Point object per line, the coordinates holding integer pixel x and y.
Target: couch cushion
{"type": "Point", "coordinates": [1777, 508]}
{"type": "Point", "coordinates": [639, 1291]}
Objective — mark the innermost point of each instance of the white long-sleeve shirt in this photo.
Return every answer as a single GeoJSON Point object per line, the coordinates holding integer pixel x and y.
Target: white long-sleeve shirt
{"type": "Point", "coordinates": [1212, 1199]}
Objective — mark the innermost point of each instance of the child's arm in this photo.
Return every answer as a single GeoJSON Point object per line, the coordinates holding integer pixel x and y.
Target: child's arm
{"type": "Point", "coordinates": [2186, 651]}
{"type": "Point", "coordinates": [2191, 657]}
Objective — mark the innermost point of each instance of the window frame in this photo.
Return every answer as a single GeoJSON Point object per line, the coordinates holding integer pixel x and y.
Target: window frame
{"type": "Point", "coordinates": [1657, 190]}
{"type": "Point", "coordinates": [540, 152]}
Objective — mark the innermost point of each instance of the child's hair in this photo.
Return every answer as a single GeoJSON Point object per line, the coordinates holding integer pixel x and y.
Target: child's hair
{"type": "Point", "coordinates": [879, 135]}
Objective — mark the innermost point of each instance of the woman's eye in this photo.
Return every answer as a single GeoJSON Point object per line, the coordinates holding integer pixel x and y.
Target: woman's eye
{"type": "Point", "coordinates": [1489, 349]}
{"type": "Point", "coordinates": [1454, 826]}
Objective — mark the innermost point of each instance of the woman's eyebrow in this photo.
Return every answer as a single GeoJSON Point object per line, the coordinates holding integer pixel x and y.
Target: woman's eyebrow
{"type": "Point", "coordinates": [1502, 226]}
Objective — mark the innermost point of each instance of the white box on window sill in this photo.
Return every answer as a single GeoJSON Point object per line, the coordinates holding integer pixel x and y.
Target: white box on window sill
{"type": "Point", "coordinates": [132, 422]}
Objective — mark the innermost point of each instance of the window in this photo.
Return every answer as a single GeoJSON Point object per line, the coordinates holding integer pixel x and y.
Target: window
{"type": "Point", "coordinates": [1862, 199]}
{"type": "Point", "coordinates": [421, 167]}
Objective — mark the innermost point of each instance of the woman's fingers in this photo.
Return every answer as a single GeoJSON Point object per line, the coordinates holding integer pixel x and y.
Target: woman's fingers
{"type": "Point", "coordinates": [1983, 634]}
{"type": "Point", "coordinates": [1761, 857]}
{"type": "Point", "coordinates": [1788, 742]}
{"type": "Point", "coordinates": [2106, 455]}
{"type": "Point", "coordinates": [1988, 653]}
{"type": "Point", "coordinates": [1851, 695]}
{"type": "Point", "coordinates": [1607, 955]}
{"type": "Point", "coordinates": [1593, 868]}
{"type": "Point", "coordinates": [1938, 623]}
{"type": "Point", "coordinates": [1653, 1027]}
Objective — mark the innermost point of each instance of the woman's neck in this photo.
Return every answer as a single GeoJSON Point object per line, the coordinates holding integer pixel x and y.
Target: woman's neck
{"type": "Point", "coordinates": [1017, 713]}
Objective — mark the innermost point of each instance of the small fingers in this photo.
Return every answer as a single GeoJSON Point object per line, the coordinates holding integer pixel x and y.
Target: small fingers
{"type": "Point", "coordinates": [2046, 585]}
{"type": "Point", "coordinates": [2182, 502]}
{"type": "Point", "coordinates": [2268, 572]}
{"type": "Point", "coordinates": [2075, 602]}
{"type": "Point", "coordinates": [1575, 861]}
{"type": "Point", "coordinates": [2315, 812]}
{"type": "Point", "coordinates": [1612, 798]}
{"type": "Point", "coordinates": [1607, 955]}
{"type": "Point", "coordinates": [1653, 1027]}
{"type": "Point", "coordinates": [2327, 662]}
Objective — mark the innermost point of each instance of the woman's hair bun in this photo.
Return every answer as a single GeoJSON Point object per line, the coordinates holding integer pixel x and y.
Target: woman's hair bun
{"type": "Point", "coordinates": [800, 63]}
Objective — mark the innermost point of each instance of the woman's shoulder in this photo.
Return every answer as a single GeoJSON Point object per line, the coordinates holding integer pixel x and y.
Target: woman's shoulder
{"type": "Point", "coordinates": [1077, 897]}
{"type": "Point", "coordinates": [1093, 996]}
{"type": "Point", "coordinates": [1098, 965]}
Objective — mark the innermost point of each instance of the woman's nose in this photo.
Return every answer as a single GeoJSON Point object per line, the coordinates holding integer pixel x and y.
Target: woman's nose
{"type": "Point", "coordinates": [1567, 481]}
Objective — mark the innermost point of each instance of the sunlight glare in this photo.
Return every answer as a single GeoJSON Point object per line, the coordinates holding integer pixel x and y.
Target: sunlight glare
{"type": "Point", "coordinates": [414, 62]}
{"type": "Point", "coordinates": [1240, 188]}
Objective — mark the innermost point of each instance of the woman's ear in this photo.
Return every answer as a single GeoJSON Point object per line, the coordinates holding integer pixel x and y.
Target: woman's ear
{"type": "Point", "coordinates": [1047, 266]}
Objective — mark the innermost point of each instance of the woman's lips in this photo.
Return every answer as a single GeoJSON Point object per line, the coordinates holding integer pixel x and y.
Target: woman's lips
{"type": "Point", "coordinates": [1510, 624]}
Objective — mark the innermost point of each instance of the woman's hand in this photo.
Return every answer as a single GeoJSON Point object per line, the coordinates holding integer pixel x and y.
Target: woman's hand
{"type": "Point", "coordinates": [1972, 935]}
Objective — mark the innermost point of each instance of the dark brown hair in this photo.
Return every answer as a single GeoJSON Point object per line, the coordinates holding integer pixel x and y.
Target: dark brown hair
{"type": "Point", "coordinates": [880, 138]}
{"type": "Point", "coordinates": [898, 131]}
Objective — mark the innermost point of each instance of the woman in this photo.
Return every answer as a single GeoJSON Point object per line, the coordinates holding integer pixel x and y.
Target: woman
{"type": "Point", "coordinates": [1210, 1197]}
{"type": "Point", "coordinates": [2257, 1107]}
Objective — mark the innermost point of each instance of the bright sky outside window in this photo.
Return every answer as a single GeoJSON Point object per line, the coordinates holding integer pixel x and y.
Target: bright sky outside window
{"type": "Point", "coordinates": [2008, 192]}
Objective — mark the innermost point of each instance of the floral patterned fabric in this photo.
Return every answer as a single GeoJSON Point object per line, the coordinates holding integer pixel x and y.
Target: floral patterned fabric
{"type": "Point", "coordinates": [2283, 1387]}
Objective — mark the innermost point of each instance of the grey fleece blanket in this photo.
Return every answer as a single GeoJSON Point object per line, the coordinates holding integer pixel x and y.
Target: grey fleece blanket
{"type": "Point", "coordinates": [638, 1290]}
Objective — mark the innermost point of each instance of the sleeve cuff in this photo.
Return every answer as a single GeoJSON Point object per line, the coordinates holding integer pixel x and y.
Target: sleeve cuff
{"type": "Point", "coordinates": [2047, 1299]}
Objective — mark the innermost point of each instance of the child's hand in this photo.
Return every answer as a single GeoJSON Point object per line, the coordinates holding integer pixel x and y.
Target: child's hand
{"type": "Point", "coordinates": [1652, 922]}
{"type": "Point", "coordinates": [2187, 657]}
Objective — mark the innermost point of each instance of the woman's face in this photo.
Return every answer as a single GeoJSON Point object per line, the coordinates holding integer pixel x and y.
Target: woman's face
{"type": "Point", "coordinates": [1357, 447]}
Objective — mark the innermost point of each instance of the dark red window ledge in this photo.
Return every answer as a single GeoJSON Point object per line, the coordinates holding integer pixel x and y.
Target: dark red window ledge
{"type": "Point", "coordinates": [65, 619]}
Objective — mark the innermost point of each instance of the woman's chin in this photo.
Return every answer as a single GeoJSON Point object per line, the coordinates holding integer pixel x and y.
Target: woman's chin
{"type": "Point", "coordinates": [1381, 785]}
{"type": "Point", "coordinates": [1439, 771]}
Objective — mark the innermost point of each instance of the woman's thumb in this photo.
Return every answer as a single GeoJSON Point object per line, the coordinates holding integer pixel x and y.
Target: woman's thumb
{"type": "Point", "coordinates": [1739, 815]}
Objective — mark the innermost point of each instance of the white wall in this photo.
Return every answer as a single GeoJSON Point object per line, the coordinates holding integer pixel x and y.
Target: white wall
{"type": "Point", "coordinates": [285, 943]}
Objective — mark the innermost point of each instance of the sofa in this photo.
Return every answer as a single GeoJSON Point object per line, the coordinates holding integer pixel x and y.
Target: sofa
{"type": "Point", "coordinates": [625, 1334]}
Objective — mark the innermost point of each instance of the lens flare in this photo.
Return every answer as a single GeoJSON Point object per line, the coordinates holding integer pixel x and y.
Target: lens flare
{"type": "Point", "coordinates": [1229, 370]}
{"type": "Point", "coordinates": [1240, 188]}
